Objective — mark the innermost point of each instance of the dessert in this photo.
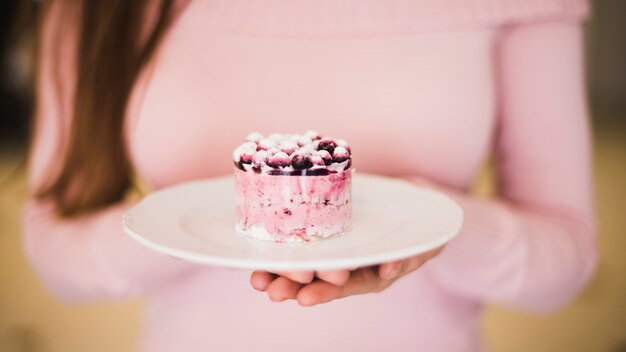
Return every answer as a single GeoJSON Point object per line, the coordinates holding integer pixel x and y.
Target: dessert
{"type": "Point", "coordinates": [293, 188]}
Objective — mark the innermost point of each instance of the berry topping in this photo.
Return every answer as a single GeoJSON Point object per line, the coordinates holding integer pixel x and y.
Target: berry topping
{"type": "Point", "coordinates": [309, 148]}
{"type": "Point", "coordinates": [326, 157]}
{"type": "Point", "coordinates": [261, 157]}
{"type": "Point", "coordinates": [343, 143]}
{"type": "Point", "coordinates": [313, 135]}
{"type": "Point", "coordinates": [303, 140]}
{"type": "Point", "coordinates": [316, 159]}
{"type": "Point", "coordinates": [301, 161]}
{"type": "Point", "coordinates": [327, 144]}
{"type": "Point", "coordinates": [247, 156]}
{"type": "Point", "coordinates": [277, 137]}
{"type": "Point", "coordinates": [280, 159]}
{"type": "Point", "coordinates": [248, 146]}
{"type": "Point", "coordinates": [239, 165]}
{"type": "Point", "coordinates": [292, 154]}
{"type": "Point", "coordinates": [340, 155]}
{"type": "Point", "coordinates": [273, 151]}
{"type": "Point", "coordinates": [266, 143]}
{"type": "Point", "coordinates": [237, 154]}
{"type": "Point", "coordinates": [254, 137]}
{"type": "Point", "coordinates": [288, 147]}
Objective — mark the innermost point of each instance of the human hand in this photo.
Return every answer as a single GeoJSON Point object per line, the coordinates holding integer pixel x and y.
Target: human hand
{"type": "Point", "coordinates": [310, 288]}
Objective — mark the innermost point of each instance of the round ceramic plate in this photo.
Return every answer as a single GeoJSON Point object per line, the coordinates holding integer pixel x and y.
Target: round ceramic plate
{"type": "Point", "coordinates": [392, 219]}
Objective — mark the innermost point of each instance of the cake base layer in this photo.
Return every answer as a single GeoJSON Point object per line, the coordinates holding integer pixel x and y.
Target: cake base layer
{"type": "Point", "coordinates": [300, 235]}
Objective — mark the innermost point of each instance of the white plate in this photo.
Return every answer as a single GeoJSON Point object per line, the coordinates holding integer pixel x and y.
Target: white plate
{"type": "Point", "coordinates": [392, 219]}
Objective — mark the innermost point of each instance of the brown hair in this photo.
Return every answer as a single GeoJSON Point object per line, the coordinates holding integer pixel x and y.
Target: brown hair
{"type": "Point", "coordinates": [112, 47]}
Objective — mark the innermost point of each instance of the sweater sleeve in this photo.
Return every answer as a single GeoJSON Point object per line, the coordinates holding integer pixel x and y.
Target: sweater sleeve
{"type": "Point", "coordinates": [91, 258]}
{"type": "Point", "coordinates": [535, 246]}
{"type": "Point", "coordinates": [87, 257]}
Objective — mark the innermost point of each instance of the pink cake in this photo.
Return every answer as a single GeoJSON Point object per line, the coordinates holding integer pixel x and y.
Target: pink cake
{"type": "Point", "coordinates": [293, 188]}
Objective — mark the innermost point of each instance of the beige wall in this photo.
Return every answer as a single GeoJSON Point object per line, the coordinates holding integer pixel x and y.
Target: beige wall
{"type": "Point", "coordinates": [606, 56]}
{"type": "Point", "coordinates": [596, 320]}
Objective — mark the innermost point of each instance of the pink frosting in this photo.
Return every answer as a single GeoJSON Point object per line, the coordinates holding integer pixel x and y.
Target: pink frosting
{"type": "Point", "coordinates": [293, 208]}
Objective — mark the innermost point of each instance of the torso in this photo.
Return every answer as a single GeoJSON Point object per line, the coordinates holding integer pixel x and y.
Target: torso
{"type": "Point", "coordinates": [419, 104]}
{"type": "Point", "coordinates": [410, 104]}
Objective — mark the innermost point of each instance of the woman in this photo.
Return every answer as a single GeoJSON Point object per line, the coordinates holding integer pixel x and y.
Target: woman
{"type": "Point", "coordinates": [425, 90]}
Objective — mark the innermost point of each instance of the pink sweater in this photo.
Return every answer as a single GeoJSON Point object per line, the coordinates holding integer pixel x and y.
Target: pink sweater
{"type": "Point", "coordinates": [428, 89]}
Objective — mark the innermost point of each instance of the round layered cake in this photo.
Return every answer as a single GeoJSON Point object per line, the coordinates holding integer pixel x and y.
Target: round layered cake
{"type": "Point", "coordinates": [293, 188]}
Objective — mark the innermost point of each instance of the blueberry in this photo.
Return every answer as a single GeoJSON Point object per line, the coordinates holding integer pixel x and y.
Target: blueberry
{"type": "Point", "coordinates": [247, 145]}
{"type": "Point", "coordinates": [280, 159]}
{"type": "Point", "coordinates": [261, 157]}
{"type": "Point", "coordinates": [325, 155]}
{"type": "Point", "coordinates": [301, 161]}
{"type": "Point", "coordinates": [248, 148]}
{"type": "Point", "coordinates": [254, 137]}
{"type": "Point", "coordinates": [236, 155]}
{"type": "Point", "coordinates": [312, 135]}
{"type": "Point", "coordinates": [316, 159]}
{"type": "Point", "coordinates": [239, 165]}
{"type": "Point", "coordinates": [265, 144]}
{"type": "Point", "coordinates": [247, 156]}
{"type": "Point", "coordinates": [327, 144]}
{"type": "Point", "coordinates": [340, 155]}
{"type": "Point", "coordinates": [276, 137]}
{"type": "Point", "coordinates": [288, 147]}
{"type": "Point", "coordinates": [307, 148]}
{"type": "Point", "coordinates": [343, 143]}
{"type": "Point", "coordinates": [303, 140]}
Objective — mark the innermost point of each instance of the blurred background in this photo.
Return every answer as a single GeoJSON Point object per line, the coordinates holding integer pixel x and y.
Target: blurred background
{"type": "Point", "coordinates": [31, 320]}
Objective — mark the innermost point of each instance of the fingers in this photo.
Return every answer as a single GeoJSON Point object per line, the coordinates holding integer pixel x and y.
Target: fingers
{"type": "Point", "coordinates": [303, 277]}
{"type": "Point", "coordinates": [335, 277]}
{"type": "Point", "coordinates": [335, 284]}
{"type": "Point", "coordinates": [393, 270]}
{"type": "Point", "coordinates": [360, 281]}
{"type": "Point", "coordinates": [388, 271]}
{"type": "Point", "coordinates": [285, 285]}
{"type": "Point", "coordinates": [260, 280]}
{"type": "Point", "coordinates": [279, 288]}
{"type": "Point", "coordinates": [283, 288]}
{"type": "Point", "coordinates": [318, 292]}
